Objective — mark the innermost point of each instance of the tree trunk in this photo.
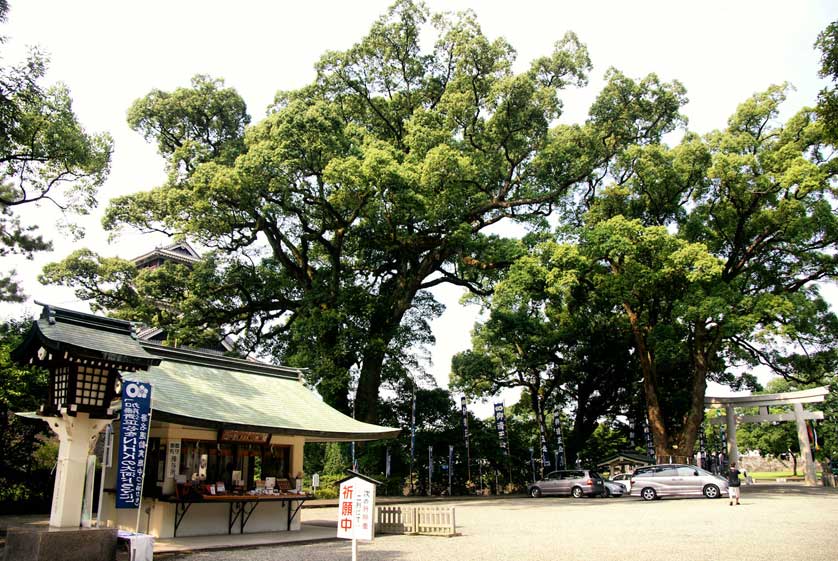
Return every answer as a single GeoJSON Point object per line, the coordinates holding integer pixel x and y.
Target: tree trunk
{"type": "Point", "coordinates": [535, 400]}
{"type": "Point", "coordinates": [384, 324]}
{"type": "Point", "coordinates": [657, 426]}
{"type": "Point", "coordinates": [369, 382]}
{"type": "Point", "coordinates": [674, 446]}
{"type": "Point", "coordinates": [395, 298]}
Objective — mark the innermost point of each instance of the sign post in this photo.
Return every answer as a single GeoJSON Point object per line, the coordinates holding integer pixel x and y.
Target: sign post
{"type": "Point", "coordinates": [356, 509]}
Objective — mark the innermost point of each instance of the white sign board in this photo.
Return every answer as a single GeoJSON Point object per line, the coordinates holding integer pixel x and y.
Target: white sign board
{"type": "Point", "coordinates": [356, 509]}
{"type": "Point", "coordinates": [173, 461]}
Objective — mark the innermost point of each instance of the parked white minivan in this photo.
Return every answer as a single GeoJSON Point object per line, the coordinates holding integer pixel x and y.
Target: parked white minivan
{"type": "Point", "coordinates": [676, 480]}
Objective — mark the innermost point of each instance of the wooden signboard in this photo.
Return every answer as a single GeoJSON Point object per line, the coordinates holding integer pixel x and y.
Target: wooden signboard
{"type": "Point", "coordinates": [245, 437]}
{"type": "Point", "coordinates": [356, 505]}
{"type": "Point", "coordinates": [356, 510]}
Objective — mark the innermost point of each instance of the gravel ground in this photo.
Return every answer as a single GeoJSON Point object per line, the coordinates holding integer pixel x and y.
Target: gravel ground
{"type": "Point", "coordinates": [791, 523]}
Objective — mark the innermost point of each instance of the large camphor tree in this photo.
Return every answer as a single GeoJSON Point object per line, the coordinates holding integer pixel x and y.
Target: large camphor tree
{"type": "Point", "coordinates": [565, 350]}
{"type": "Point", "coordinates": [713, 250]}
{"type": "Point", "coordinates": [336, 213]}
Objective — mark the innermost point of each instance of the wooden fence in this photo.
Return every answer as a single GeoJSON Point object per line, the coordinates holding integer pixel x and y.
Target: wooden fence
{"type": "Point", "coordinates": [424, 520]}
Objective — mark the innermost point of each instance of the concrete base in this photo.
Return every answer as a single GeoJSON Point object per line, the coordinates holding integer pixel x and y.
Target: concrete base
{"type": "Point", "coordinates": [60, 544]}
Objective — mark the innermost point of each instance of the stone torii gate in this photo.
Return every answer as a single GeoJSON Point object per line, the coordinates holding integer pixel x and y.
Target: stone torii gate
{"type": "Point", "coordinates": [763, 402]}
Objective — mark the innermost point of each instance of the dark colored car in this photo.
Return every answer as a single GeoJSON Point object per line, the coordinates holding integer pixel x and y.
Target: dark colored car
{"type": "Point", "coordinates": [574, 482]}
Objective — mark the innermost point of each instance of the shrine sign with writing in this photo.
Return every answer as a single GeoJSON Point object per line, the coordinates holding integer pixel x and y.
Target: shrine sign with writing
{"type": "Point", "coordinates": [356, 509]}
{"type": "Point", "coordinates": [232, 436]}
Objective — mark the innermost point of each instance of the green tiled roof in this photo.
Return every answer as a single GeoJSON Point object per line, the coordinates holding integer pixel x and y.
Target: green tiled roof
{"type": "Point", "coordinates": [115, 346]}
{"type": "Point", "coordinates": [195, 388]}
{"type": "Point", "coordinates": [201, 394]}
{"type": "Point", "coordinates": [84, 335]}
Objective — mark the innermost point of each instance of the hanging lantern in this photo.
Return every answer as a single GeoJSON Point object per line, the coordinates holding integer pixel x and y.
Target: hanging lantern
{"type": "Point", "coordinates": [84, 355]}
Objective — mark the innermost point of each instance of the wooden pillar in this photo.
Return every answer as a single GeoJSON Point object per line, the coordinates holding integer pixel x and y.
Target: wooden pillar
{"type": "Point", "coordinates": [805, 449]}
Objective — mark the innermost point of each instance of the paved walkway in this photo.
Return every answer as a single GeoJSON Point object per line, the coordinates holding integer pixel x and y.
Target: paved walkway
{"type": "Point", "coordinates": [789, 522]}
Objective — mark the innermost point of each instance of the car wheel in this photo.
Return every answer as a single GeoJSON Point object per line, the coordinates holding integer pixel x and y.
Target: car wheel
{"type": "Point", "coordinates": [577, 492]}
{"type": "Point", "coordinates": [711, 492]}
{"type": "Point", "coordinates": [535, 492]}
{"type": "Point", "coordinates": [606, 492]}
{"type": "Point", "coordinates": [648, 494]}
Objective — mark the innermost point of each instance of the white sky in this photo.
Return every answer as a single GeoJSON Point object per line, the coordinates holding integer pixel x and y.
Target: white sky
{"type": "Point", "coordinates": [111, 53]}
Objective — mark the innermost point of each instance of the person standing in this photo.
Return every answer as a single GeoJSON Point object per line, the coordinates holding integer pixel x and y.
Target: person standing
{"type": "Point", "coordinates": [733, 484]}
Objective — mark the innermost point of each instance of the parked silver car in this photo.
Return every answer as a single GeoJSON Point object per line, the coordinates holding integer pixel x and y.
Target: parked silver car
{"type": "Point", "coordinates": [623, 479]}
{"type": "Point", "coordinates": [676, 480]}
{"type": "Point", "coordinates": [613, 488]}
{"type": "Point", "coordinates": [574, 482]}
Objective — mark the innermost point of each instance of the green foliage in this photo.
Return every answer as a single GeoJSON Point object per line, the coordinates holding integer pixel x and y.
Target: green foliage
{"type": "Point", "coordinates": [45, 156]}
{"type": "Point", "coordinates": [827, 44]}
{"type": "Point", "coordinates": [711, 250]}
{"type": "Point", "coordinates": [564, 348]}
{"type": "Point", "coordinates": [26, 460]}
{"type": "Point", "coordinates": [329, 486]}
{"type": "Point", "coordinates": [171, 118]}
{"type": "Point", "coordinates": [332, 217]}
{"type": "Point", "coordinates": [335, 462]}
{"type": "Point", "coordinates": [358, 192]}
{"type": "Point", "coordinates": [115, 285]}
{"type": "Point", "coordinates": [603, 442]}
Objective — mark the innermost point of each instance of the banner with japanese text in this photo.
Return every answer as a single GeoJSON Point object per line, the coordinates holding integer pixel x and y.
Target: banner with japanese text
{"type": "Point", "coordinates": [412, 432]}
{"type": "Point", "coordinates": [465, 420]}
{"type": "Point", "coordinates": [557, 427]}
{"type": "Point", "coordinates": [500, 424]}
{"type": "Point", "coordinates": [134, 424]}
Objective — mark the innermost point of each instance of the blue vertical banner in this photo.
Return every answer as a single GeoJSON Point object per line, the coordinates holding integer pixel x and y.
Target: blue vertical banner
{"type": "Point", "coordinates": [557, 427]}
{"type": "Point", "coordinates": [466, 435]}
{"type": "Point", "coordinates": [450, 466]}
{"type": "Point", "coordinates": [387, 462]}
{"type": "Point", "coordinates": [500, 424]}
{"type": "Point", "coordinates": [134, 424]}
{"type": "Point", "coordinates": [545, 454]}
